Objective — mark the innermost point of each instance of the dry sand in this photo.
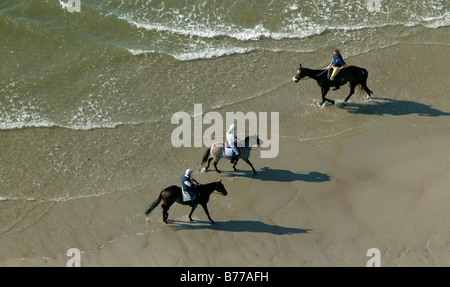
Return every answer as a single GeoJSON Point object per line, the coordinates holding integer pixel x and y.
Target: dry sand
{"type": "Point", "coordinates": [322, 202]}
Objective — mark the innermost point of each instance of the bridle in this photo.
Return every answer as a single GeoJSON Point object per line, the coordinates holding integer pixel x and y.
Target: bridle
{"type": "Point", "coordinates": [221, 190]}
{"type": "Point", "coordinates": [309, 78]}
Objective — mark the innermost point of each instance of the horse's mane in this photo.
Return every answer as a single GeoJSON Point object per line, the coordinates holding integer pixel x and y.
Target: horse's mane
{"type": "Point", "coordinates": [207, 184]}
{"type": "Point", "coordinates": [247, 140]}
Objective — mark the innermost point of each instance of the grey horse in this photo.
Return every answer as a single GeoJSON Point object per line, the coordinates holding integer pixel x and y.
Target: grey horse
{"type": "Point", "coordinates": [216, 152]}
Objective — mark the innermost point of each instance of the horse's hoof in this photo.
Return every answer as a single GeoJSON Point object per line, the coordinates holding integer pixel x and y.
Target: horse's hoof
{"type": "Point", "coordinates": [332, 102]}
{"type": "Point", "coordinates": [212, 222]}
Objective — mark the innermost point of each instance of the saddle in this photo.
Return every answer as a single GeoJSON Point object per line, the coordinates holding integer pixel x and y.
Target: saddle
{"type": "Point", "coordinates": [329, 73]}
{"type": "Point", "coordinates": [339, 75]}
{"type": "Point", "coordinates": [227, 150]}
{"type": "Point", "coordinates": [186, 195]}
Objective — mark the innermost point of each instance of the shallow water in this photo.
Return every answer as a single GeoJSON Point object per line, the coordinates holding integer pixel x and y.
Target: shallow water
{"type": "Point", "coordinates": [86, 98]}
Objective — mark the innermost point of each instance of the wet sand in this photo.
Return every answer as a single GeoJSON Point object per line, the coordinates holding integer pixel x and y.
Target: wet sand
{"type": "Point", "coordinates": [381, 180]}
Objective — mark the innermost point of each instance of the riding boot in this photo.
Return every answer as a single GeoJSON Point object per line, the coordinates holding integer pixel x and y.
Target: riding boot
{"type": "Point", "coordinates": [233, 158]}
{"type": "Point", "coordinates": [193, 201]}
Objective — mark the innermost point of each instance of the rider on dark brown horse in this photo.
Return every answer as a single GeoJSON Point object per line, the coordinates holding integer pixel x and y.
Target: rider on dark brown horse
{"type": "Point", "coordinates": [187, 181]}
{"type": "Point", "coordinates": [173, 194]}
{"type": "Point", "coordinates": [337, 65]}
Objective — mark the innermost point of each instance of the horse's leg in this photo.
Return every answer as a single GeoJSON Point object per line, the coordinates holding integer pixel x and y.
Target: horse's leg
{"type": "Point", "coordinates": [234, 165]}
{"type": "Point", "coordinates": [352, 91]}
{"type": "Point", "coordinates": [165, 214]}
{"type": "Point", "coordinates": [363, 83]}
{"type": "Point", "coordinates": [167, 200]}
{"type": "Point", "coordinates": [205, 208]}
{"type": "Point", "coordinates": [250, 164]}
{"type": "Point", "coordinates": [209, 161]}
{"type": "Point", "coordinates": [324, 98]}
{"type": "Point", "coordinates": [215, 165]}
{"type": "Point", "coordinates": [190, 214]}
{"type": "Point", "coordinates": [367, 90]}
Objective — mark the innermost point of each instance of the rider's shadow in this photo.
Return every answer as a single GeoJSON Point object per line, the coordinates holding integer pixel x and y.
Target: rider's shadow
{"type": "Point", "coordinates": [282, 175]}
{"type": "Point", "coordinates": [239, 226]}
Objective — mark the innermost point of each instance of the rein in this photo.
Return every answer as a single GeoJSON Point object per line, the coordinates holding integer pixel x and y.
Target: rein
{"type": "Point", "coordinates": [323, 72]}
{"type": "Point", "coordinates": [210, 184]}
{"type": "Point", "coordinates": [318, 75]}
{"type": "Point", "coordinates": [214, 190]}
{"type": "Point", "coordinates": [250, 148]}
{"type": "Point", "coordinates": [309, 78]}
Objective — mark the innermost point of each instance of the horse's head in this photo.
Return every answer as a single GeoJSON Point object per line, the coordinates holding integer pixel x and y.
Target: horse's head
{"type": "Point", "coordinates": [221, 188]}
{"type": "Point", "coordinates": [299, 75]}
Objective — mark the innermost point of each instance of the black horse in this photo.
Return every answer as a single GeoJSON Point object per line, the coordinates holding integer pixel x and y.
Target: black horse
{"type": "Point", "coordinates": [173, 194]}
{"type": "Point", "coordinates": [351, 74]}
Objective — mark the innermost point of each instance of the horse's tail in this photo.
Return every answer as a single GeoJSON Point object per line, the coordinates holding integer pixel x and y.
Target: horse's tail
{"type": "Point", "coordinates": [364, 82]}
{"type": "Point", "coordinates": [206, 156]}
{"type": "Point", "coordinates": [154, 204]}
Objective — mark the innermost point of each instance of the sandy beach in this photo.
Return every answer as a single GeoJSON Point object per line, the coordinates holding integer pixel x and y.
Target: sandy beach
{"type": "Point", "coordinates": [381, 180]}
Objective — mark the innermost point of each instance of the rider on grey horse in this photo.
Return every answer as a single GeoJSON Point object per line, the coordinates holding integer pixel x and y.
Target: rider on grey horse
{"type": "Point", "coordinates": [232, 143]}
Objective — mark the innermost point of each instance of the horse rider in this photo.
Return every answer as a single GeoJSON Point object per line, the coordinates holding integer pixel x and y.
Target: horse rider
{"type": "Point", "coordinates": [187, 182]}
{"type": "Point", "coordinates": [232, 143]}
{"type": "Point", "coordinates": [337, 65]}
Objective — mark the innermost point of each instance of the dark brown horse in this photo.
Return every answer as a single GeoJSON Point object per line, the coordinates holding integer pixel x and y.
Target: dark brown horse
{"type": "Point", "coordinates": [173, 194]}
{"type": "Point", "coordinates": [351, 74]}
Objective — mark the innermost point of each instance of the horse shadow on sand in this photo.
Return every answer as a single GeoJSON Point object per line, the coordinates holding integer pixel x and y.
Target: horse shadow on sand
{"type": "Point", "coordinates": [386, 106]}
{"type": "Point", "coordinates": [238, 226]}
{"type": "Point", "coordinates": [281, 175]}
